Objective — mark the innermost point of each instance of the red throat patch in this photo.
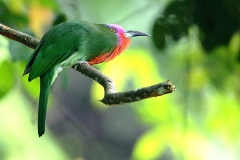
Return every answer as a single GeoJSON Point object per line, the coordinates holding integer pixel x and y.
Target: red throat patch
{"type": "Point", "coordinates": [123, 44]}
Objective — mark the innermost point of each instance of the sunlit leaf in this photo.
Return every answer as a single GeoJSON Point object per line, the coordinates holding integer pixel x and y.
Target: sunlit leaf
{"type": "Point", "coordinates": [16, 6]}
{"type": "Point", "coordinates": [150, 145]}
{"type": "Point", "coordinates": [234, 44]}
{"type": "Point", "coordinates": [223, 116]}
{"type": "Point", "coordinates": [197, 78]}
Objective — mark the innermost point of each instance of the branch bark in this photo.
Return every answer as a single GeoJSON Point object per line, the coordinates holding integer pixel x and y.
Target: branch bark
{"type": "Point", "coordinates": [111, 97]}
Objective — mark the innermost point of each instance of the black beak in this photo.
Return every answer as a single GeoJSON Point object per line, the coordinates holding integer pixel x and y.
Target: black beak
{"type": "Point", "coordinates": [130, 34]}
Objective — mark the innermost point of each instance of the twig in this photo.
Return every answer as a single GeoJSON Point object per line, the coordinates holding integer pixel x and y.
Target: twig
{"type": "Point", "coordinates": [111, 97]}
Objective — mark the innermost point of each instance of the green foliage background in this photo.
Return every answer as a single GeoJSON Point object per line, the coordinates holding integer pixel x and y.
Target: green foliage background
{"type": "Point", "coordinates": [198, 53]}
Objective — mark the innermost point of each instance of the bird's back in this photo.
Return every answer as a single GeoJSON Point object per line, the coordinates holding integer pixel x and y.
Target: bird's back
{"type": "Point", "coordinates": [60, 42]}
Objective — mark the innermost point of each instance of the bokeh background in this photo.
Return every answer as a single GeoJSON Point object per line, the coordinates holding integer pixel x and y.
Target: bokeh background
{"type": "Point", "coordinates": [193, 43]}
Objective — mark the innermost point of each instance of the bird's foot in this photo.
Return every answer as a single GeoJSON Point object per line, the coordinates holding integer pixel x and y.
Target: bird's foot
{"type": "Point", "coordinates": [78, 63]}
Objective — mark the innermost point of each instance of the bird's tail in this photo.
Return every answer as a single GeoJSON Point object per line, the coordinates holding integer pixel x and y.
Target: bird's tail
{"type": "Point", "coordinates": [45, 85]}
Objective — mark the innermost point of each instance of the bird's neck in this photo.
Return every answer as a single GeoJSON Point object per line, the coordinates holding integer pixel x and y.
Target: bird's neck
{"type": "Point", "coordinates": [122, 44]}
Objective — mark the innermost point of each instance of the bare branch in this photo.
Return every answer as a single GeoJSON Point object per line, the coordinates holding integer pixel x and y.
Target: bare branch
{"type": "Point", "coordinates": [18, 36]}
{"type": "Point", "coordinates": [138, 94]}
{"type": "Point", "coordinates": [111, 97]}
{"type": "Point", "coordinates": [96, 75]}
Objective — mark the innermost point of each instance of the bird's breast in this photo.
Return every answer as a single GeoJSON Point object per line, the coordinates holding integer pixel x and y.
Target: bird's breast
{"type": "Point", "coordinates": [123, 43]}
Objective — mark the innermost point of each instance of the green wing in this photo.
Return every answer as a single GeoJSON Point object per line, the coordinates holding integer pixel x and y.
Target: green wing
{"type": "Point", "coordinates": [57, 45]}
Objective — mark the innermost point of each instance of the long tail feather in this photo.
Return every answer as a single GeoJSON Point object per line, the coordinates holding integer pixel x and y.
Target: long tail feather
{"type": "Point", "coordinates": [45, 85]}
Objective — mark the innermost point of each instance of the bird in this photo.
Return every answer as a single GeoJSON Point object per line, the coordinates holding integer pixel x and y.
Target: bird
{"type": "Point", "coordinates": [68, 44]}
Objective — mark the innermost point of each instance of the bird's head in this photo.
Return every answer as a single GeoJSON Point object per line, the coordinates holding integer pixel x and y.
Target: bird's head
{"type": "Point", "coordinates": [117, 36]}
{"type": "Point", "coordinates": [127, 33]}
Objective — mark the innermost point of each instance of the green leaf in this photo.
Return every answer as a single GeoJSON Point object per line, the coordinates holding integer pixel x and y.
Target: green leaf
{"type": "Point", "coordinates": [6, 71]}
{"type": "Point", "coordinates": [7, 78]}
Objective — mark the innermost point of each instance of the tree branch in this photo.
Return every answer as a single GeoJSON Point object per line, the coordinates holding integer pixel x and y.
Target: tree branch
{"type": "Point", "coordinates": [111, 97]}
{"type": "Point", "coordinates": [19, 36]}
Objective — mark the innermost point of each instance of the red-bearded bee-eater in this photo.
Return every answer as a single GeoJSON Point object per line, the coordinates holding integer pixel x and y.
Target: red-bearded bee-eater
{"type": "Point", "coordinates": [68, 44]}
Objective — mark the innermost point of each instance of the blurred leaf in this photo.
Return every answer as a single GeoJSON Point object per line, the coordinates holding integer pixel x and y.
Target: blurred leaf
{"type": "Point", "coordinates": [40, 18]}
{"type": "Point", "coordinates": [223, 115]}
{"type": "Point", "coordinates": [31, 87]}
{"type": "Point", "coordinates": [16, 6]}
{"type": "Point", "coordinates": [7, 78]}
{"type": "Point", "coordinates": [197, 147]}
{"type": "Point", "coordinates": [12, 15]}
{"type": "Point", "coordinates": [218, 20]}
{"type": "Point", "coordinates": [19, 134]}
{"type": "Point", "coordinates": [4, 51]}
{"type": "Point", "coordinates": [6, 70]}
{"type": "Point", "coordinates": [210, 16]}
{"type": "Point", "coordinates": [172, 24]}
{"type": "Point", "coordinates": [225, 64]}
{"type": "Point", "coordinates": [46, 3]}
{"type": "Point", "coordinates": [158, 33]}
{"type": "Point", "coordinates": [59, 19]}
{"type": "Point", "coordinates": [18, 51]}
{"type": "Point", "coordinates": [234, 45]}
{"type": "Point", "coordinates": [150, 145]}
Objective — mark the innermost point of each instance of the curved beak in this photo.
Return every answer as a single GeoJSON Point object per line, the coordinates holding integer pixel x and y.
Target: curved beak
{"type": "Point", "coordinates": [130, 34]}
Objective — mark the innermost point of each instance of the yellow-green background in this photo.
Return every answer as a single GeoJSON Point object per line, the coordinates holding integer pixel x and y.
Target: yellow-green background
{"type": "Point", "coordinates": [198, 121]}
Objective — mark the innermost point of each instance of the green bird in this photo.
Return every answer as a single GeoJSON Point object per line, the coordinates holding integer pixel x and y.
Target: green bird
{"type": "Point", "coordinates": [68, 44]}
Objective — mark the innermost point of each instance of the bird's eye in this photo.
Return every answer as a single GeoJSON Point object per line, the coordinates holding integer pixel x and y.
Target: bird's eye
{"type": "Point", "coordinates": [113, 29]}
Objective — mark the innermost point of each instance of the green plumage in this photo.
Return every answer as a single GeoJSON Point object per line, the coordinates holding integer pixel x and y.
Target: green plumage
{"type": "Point", "coordinates": [85, 39]}
{"type": "Point", "coordinates": [68, 43]}
{"type": "Point", "coordinates": [45, 85]}
{"type": "Point", "coordinates": [63, 46]}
